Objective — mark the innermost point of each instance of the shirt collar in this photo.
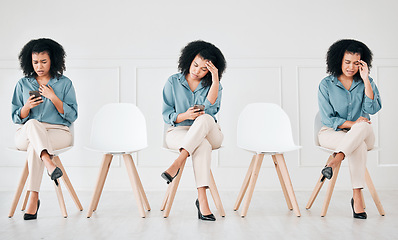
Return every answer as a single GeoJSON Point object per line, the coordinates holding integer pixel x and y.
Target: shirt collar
{"type": "Point", "coordinates": [339, 84]}
{"type": "Point", "coordinates": [33, 81]}
{"type": "Point", "coordinates": [184, 82]}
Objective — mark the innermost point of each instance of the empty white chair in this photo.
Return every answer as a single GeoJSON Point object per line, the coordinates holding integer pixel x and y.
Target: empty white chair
{"type": "Point", "coordinates": [119, 129]}
{"type": "Point", "coordinates": [321, 180]}
{"type": "Point", "coordinates": [264, 128]}
{"type": "Point", "coordinates": [58, 190]}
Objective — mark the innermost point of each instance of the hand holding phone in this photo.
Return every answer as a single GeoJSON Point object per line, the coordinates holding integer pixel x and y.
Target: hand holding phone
{"type": "Point", "coordinates": [199, 107]}
{"type": "Point", "coordinates": [36, 94]}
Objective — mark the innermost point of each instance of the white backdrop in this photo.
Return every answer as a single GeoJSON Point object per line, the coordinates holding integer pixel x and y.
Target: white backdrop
{"type": "Point", "coordinates": [124, 51]}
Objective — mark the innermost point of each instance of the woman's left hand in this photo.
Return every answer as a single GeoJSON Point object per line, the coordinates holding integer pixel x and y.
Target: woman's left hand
{"type": "Point", "coordinates": [47, 91]}
{"type": "Point", "coordinates": [364, 70]}
{"type": "Point", "coordinates": [213, 70]}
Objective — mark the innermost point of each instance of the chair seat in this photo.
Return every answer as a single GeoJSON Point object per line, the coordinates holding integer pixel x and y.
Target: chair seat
{"type": "Point", "coordinates": [55, 152]}
{"type": "Point", "coordinates": [273, 150]}
{"type": "Point", "coordinates": [113, 151]}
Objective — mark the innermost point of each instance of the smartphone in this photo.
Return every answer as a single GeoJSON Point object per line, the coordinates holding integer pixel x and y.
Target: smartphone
{"type": "Point", "coordinates": [199, 106]}
{"type": "Point", "coordinates": [35, 93]}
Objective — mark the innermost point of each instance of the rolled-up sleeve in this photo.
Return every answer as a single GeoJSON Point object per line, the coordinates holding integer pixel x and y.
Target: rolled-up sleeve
{"type": "Point", "coordinates": [17, 104]}
{"type": "Point", "coordinates": [213, 109]}
{"type": "Point", "coordinates": [326, 110]}
{"type": "Point", "coordinates": [372, 106]}
{"type": "Point", "coordinates": [169, 112]}
{"type": "Point", "coordinates": [69, 104]}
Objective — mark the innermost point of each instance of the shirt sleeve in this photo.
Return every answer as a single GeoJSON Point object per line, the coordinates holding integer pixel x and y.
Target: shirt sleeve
{"type": "Point", "coordinates": [326, 110]}
{"type": "Point", "coordinates": [69, 104]}
{"type": "Point", "coordinates": [17, 104]}
{"type": "Point", "coordinates": [213, 109]}
{"type": "Point", "coordinates": [372, 106]}
{"type": "Point", "coordinates": [169, 113]}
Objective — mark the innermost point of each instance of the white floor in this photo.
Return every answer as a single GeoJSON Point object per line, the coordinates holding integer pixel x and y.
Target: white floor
{"type": "Point", "coordinates": [268, 218]}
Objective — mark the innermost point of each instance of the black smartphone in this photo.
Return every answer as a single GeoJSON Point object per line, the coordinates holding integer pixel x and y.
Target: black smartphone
{"type": "Point", "coordinates": [35, 93]}
{"type": "Point", "coordinates": [199, 106]}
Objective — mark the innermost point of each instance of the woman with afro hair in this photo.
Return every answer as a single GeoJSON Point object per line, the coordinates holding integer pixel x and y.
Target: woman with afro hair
{"type": "Point", "coordinates": [44, 104]}
{"type": "Point", "coordinates": [191, 99]}
{"type": "Point", "coordinates": [346, 98]}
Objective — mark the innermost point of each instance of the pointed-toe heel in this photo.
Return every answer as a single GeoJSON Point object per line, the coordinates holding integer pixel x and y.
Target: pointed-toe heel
{"type": "Point", "coordinates": [57, 173]}
{"type": "Point", "coordinates": [28, 216]}
{"type": "Point", "coordinates": [166, 176]}
{"type": "Point", "coordinates": [209, 217]}
{"type": "Point", "coordinates": [361, 215]}
{"type": "Point", "coordinates": [327, 172]}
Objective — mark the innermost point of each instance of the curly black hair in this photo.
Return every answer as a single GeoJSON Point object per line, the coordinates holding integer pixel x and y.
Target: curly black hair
{"type": "Point", "coordinates": [335, 54]}
{"type": "Point", "coordinates": [206, 51]}
{"type": "Point", "coordinates": [54, 50]}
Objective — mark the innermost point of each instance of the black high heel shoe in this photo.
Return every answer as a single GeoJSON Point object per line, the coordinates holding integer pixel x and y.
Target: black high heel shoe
{"type": "Point", "coordinates": [361, 215]}
{"type": "Point", "coordinates": [167, 176]}
{"type": "Point", "coordinates": [57, 173]}
{"type": "Point", "coordinates": [28, 216]}
{"type": "Point", "coordinates": [209, 217]}
{"type": "Point", "coordinates": [327, 172]}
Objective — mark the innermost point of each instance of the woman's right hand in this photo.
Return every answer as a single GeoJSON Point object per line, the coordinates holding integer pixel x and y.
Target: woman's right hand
{"type": "Point", "coordinates": [192, 113]}
{"type": "Point", "coordinates": [32, 102]}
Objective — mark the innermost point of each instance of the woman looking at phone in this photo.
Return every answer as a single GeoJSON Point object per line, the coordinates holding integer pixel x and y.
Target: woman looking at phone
{"type": "Point", "coordinates": [44, 103]}
{"type": "Point", "coordinates": [346, 99]}
{"type": "Point", "coordinates": [194, 132]}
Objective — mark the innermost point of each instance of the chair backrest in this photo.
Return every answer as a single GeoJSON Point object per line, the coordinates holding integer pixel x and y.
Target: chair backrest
{"type": "Point", "coordinates": [118, 128]}
{"type": "Point", "coordinates": [317, 126]}
{"type": "Point", "coordinates": [264, 127]}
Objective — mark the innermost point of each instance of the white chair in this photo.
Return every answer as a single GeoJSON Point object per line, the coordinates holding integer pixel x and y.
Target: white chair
{"type": "Point", "coordinates": [119, 129]}
{"type": "Point", "coordinates": [321, 180]}
{"type": "Point", "coordinates": [58, 190]}
{"type": "Point", "coordinates": [264, 128]}
{"type": "Point", "coordinates": [172, 188]}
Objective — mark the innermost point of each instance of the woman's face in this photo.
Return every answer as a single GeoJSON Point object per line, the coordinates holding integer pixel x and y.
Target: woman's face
{"type": "Point", "coordinates": [198, 68]}
{"type": "Point", "coordinates": [41, 64]}
{"type": "Point", "coordinates": [350, 64]}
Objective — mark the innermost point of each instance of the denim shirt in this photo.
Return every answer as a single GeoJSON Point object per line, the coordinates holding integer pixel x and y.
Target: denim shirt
{"type": "Point", "coordinates": [178, 97]}
{"type": "Point", "coordinates": [46, 111]}
{"type": "Point", "coordinates": [337, 104]}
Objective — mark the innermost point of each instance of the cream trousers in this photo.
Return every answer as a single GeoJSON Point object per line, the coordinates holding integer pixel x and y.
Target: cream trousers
{"type": "Point", "coordinates": [199, 140]}
{"type": "Point", "coordinates": [355, 144]}
{"type": "Point", "coordinates": [34, 137]}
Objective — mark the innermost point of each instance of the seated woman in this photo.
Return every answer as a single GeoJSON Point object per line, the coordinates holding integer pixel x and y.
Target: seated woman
{"type": "Point", "coordinates": [191, 99]}
{"type": "Point", "coordinates": [44, 103]}
{"type": "Point", "coordinates": [346, 99]}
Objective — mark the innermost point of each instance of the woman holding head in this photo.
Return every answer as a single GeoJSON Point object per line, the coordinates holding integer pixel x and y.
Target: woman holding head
{"type": "Point", "coordinates": [346, 99]}
{"type": "Point", "coordinates": [44, 104]}
{"type": "Point", "coordinates": [191, 99]}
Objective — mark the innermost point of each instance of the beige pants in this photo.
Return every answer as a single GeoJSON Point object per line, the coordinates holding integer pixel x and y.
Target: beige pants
{"type": "Point", "coordinates": [355, 144]}
{"type": "Point", "coordinates": [34, 137]}
{"type": "Point", "coordinates": [199, 140]}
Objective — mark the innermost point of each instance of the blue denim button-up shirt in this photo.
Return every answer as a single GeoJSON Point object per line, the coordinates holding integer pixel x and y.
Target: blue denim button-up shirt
{"type": "Point", "coordinates": [46, 111]}
{"type": "Point", "coordinates": [337, 104]}
{"type": "Point", "coordinates": [178, 97]}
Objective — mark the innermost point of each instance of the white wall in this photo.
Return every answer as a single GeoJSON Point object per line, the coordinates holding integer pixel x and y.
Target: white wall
{"type": "Point", "coordinates": [124, 51]}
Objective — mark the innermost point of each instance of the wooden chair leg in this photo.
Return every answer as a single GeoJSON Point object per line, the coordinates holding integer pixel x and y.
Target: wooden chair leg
{"type": "Point", "coordinates": [21, 185]}
{"type": "Point", "coordinates": [142, 192]}
{"type": "Point", "coordinates": [133, 175]}
{"type": "Point", "coordinates": [253, 179]}
{"type": "Point", "coordinates": [245, 184]}
{"type": "Point", "coordinates": [163, 206]}
{"type": "Point", "coordinates": [329, 191]}
{"type": "Point", "coordinates": [373, 192]}
{"type": "Point", "coordinates": [216, 195]}
{"type": "Point", "coordinates": [278, 171]}
{"type": "Point", "coordinates": [25, 201]}
{"type": "Point", "coordinates": [68, 184]}
{"type": "Point", "coordinates": [318, 187]}
{"type": "Point", "coordinates": [106, 162]}
{"type": "Point", "coordinates": [60, 197]}
{"type": "Point", "coordinates": [172, 193]}
{"type": "Point", "coordinates": [286, 178]}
